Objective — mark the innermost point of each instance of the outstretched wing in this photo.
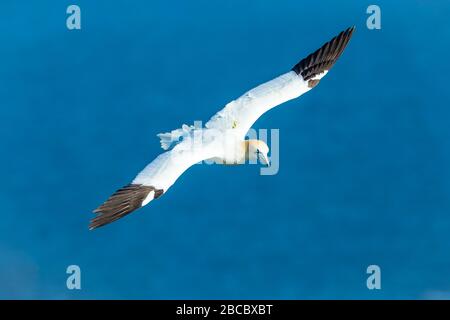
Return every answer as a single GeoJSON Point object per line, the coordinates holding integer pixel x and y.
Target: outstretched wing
{"type": "Point", "coordinates": [151, 182]}
{"type": "Point", "coordinates": [241, 113]}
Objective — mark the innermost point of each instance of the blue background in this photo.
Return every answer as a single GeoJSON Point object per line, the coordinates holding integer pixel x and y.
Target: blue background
{"type": "Point", "coordinates": [364, 158]}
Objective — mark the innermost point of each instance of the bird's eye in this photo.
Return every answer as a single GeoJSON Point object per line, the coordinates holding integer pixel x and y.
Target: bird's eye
{"type": "Point", "coordinates": [257, 151]}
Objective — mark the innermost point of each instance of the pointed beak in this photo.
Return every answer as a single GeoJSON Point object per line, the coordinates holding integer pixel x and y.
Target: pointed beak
{"type": "Point", "coordinates": [263, 159]}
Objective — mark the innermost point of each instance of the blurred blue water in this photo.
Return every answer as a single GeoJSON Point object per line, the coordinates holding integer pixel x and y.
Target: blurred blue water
{"type": "Point", "coordinates": [363, 177]}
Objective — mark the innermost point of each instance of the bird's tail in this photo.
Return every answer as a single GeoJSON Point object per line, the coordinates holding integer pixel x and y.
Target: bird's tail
{"type": "Point", "coordinates": [168, 139]}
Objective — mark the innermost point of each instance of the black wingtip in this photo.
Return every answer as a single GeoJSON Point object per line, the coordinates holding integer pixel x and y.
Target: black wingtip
{"type": "Point", "coordinates": [121, 203]}
{"type": "Point", "coordinates": [323, 58]}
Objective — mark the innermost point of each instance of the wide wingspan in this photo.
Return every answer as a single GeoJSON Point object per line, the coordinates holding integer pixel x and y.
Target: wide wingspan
{"type": "Point", "coordinates": [237, 116]}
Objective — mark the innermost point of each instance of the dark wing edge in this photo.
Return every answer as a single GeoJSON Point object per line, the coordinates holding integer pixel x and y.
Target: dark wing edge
{"type": "Point", "coordinates": [122, 202]}
{"type": "Point", "coordinates": [324, 58]}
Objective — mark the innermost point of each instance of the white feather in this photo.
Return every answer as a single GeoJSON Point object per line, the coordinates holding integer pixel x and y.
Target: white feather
{"type": "Point", "coordinates": [162, 172]}
{"type": "Point", "coordinates": [150, 197]}
{"type": "Point", "coordinates": [240, 114]}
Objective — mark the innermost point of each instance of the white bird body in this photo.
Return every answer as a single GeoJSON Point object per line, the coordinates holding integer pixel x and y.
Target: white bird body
{"type": "Point", "coordinates": [223, 138]}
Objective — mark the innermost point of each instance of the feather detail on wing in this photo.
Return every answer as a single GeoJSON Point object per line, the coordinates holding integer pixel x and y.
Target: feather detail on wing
{"type": "Point", "coordinates": [240, 114]}
{"type": "Point", "coordinates": [320, 62]}
{"type": "Point", "coordinates": [122, 202]}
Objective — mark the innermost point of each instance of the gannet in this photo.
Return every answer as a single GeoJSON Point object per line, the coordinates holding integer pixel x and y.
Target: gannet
{"type": "Point", "coordinates": [223, 138]}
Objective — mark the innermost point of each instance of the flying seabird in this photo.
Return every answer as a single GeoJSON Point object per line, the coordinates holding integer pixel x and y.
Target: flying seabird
{"type": "Point", "coordinates": [223, 138]}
